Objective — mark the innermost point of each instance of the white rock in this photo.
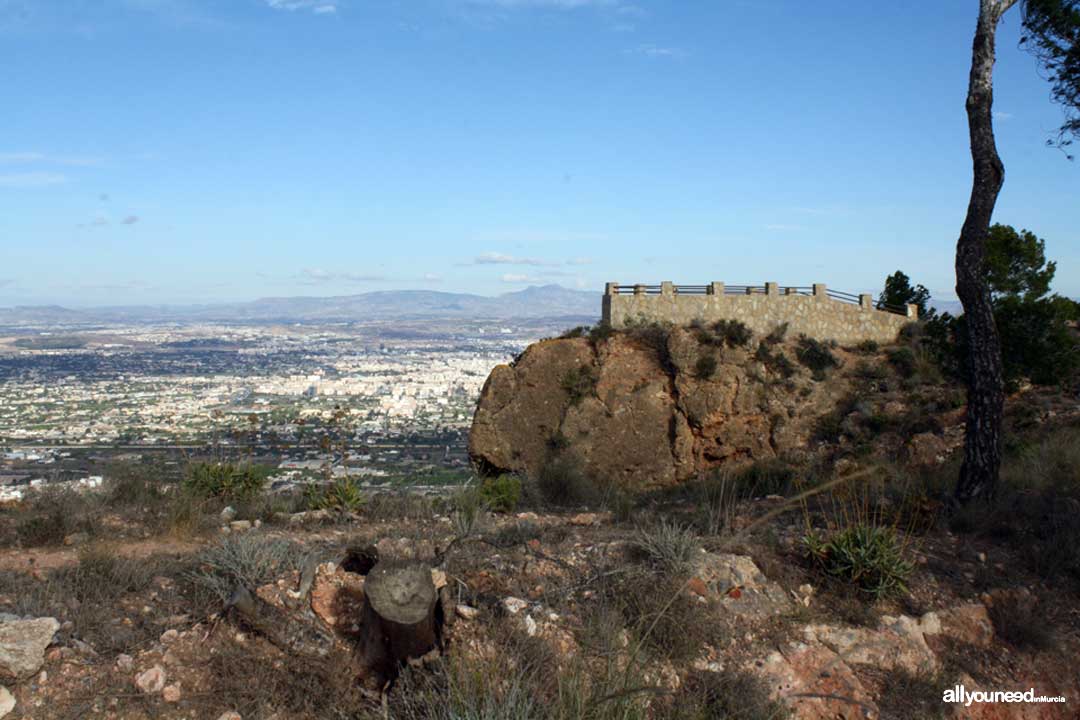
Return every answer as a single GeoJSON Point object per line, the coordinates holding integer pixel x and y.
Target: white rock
{"type": "Point", "coordinates": [171, 693]}
{"type": "Point", "coordinates": [22, 645]}
{"type": "Point", "coordinates": [228, 514]}
{"type": "Point", "coordinates": [240, 525]}
{"type": "Point", "coordinates": [170, 636]}
{"type": "Point", "coordinates": [514, 605]}
{"type": "Point", "coordinates": [124, 662]}
{"type": "Point", "coordinates": [530, 626]}
{"type": "Point", "coordinates": [7, 702]}
{"type": "Point", "coordinates": [230, 715]}
{"type": "Point", "coordinates": [467, 612]}
{"type": "Point", "coordinates": [151, 681]}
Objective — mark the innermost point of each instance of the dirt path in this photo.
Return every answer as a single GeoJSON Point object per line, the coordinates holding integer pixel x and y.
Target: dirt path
{"type": "Point", "coordinates": [52, 558]}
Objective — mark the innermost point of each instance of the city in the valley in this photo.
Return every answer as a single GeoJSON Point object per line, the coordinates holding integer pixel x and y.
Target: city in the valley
{"type": "Point", "coordinates": [386, 402]}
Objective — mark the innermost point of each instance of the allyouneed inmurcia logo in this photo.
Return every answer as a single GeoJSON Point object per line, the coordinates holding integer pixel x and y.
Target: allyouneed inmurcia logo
{"type": "Point", "coordinates": [959, 694]}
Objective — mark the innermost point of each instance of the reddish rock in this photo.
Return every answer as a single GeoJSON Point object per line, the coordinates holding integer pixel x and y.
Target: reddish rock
{"type": "Point", "coordinates": [698, 587]}
{"type": "Point", "coordinates": [337, 597]}
{"type": "Point", "coordinates": [816, 684]}
{"type": "Point", "coordinates": [967, 624]}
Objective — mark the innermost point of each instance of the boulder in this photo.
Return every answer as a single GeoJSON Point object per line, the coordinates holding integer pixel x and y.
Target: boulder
{"type": "Point", "coordinates": [22, 646]}
{"type": "Point", "coordinates": [647, 419]}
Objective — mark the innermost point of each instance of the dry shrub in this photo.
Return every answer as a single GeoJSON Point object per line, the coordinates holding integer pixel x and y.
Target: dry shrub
{"type": "Point", "coordinates": [727, 695]}
{"type": "Point", "coordinates": [50, 514]}
{"type": "Point", "coordinates": [257, 680]}
{"type": "Point", "coordinates": [250, 559]}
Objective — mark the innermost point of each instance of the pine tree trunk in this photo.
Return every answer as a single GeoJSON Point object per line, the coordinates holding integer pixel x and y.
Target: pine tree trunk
{"type": "Point", "coordinates": [986, 393]}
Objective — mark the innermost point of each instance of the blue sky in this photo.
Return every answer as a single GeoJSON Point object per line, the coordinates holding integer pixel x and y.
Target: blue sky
{"type": "Point", "coordinates": [209, 150]}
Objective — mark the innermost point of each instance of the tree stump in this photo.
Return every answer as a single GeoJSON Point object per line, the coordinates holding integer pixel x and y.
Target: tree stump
{"type": "Point", "coordinates": [399, 621]}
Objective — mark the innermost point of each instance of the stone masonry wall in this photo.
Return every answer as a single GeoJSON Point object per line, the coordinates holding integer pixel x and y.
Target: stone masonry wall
{"type": "Point", "coordinates": [815, 315]}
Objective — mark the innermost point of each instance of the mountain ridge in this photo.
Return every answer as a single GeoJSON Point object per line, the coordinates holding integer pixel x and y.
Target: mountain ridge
{"type": "Point", "coordinates": [532, 302]}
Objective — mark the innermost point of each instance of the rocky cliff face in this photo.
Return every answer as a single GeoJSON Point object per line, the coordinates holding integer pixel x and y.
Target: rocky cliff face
{"type": "Point", "coordinates": [646, 409]}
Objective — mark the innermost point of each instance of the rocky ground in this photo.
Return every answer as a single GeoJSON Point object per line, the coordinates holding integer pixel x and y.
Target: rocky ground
{"type": "Point", "coordinates": [549, 603]}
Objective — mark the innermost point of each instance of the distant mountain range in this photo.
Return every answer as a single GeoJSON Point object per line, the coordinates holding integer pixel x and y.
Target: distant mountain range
{"type": "Point", "coordinates": [547, 301]}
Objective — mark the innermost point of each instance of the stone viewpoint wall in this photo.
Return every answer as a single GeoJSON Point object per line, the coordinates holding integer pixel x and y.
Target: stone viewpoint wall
{"type": "Point", "coordinates": [813, 311]}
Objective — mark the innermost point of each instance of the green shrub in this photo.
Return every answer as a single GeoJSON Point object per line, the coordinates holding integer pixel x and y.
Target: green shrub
{"type": "Point", "coordinates": [871, 558]}
{"type": "Point", "coordinates": [502, 493]}
{"type": "Point", "coordinates": [816, 355]}
{"type": "Point", "coordinates": [225, 480]}
{"type": "Point", "coordinates": [769, 476]}
{"type": "Point", "coordinates": [344, 494]}
{"type": "Point", "coordinates": [600, 332]}
{"type": "Point", "coordinates": [558, 441]}
{"type": "Point", "coordinates": [468, 511]}
{"type": "Point", "coordinates": [868, 370]}
{"type": "Point", "coordinates": [903, 361]}
{"type": "Point", "coordinates": [705, 367]}
{"type": "Point", "coordinates": [562, 482]}
{"type": "Point", "coordinates": [867, 347]}
{"type": "Point", "coordinates": [777, 335]}
{"type": "Point", "coordinates": [653, 335]}
{"type": "Point", "coordinates": [734, 333]}
{"type": "Point", "coordinates": [775, 360]}
{"type": "Point", "coordinates": [579, 383]}
{"type": "Point", "coordinates": [575, 332]}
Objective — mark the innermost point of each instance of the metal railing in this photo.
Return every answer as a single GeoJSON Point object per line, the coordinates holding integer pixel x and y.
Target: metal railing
{"type": "Point", "coordinates": [805, 290]}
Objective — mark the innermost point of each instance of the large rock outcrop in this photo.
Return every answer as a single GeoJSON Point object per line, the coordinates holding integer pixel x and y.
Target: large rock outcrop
{"type": "Point", "coordinates": [642, 409]}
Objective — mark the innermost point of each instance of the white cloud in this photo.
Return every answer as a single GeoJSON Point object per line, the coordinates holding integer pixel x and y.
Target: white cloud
{"type": "Point", "coordinates": [557, 4]}
{"type": "Point", "coordinates": [27, 158]}
{"type": "Point", "coordinates": [519, 278]}
{"type": "Point", "coordinates": [493, 258]}
{"type": "Point", "coordinates": [130, 220]}
{"type": "Point", "coordinates": [100, 220]}
{"type": "Point", "coordinates": [319, 7]}
{"type": "Point", "coordinates": [432, 277]}
{"type": "Point", "coordinates": [657, 51]}
{"type": "Point", "coordinates": [316, 276]}
{"type": "Point", "coordinates": [1002, 116]}
{"type": "Point", "coordinates": [20, 157]}
{"type": "Point", "coordinates": [32, 179]}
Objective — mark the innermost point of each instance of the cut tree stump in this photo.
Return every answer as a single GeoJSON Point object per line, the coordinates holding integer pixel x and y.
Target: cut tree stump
{"type": "Point", "coordinates": [399, 622]}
